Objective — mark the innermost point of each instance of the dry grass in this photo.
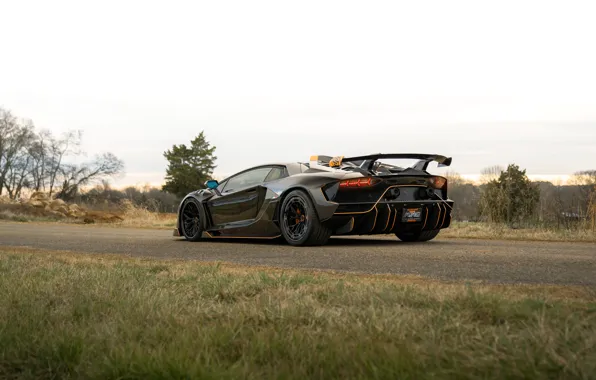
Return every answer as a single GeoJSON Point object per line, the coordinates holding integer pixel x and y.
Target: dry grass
{"type": "Point", "coordinates": [65, 315]}
{"type": "Point", "coordinates": [502, 232]}
{"type": "Point", "coordinates": [12, 216]}
{"type": "Point", "coordinates": [19, 213]}
{"type": "Point", "coordinates": [141, 217]}
{"type": "Point", "coordinates": [127, 216]}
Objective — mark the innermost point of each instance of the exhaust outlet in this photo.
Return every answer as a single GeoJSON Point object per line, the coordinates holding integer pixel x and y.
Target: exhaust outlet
{"type": "Point", "coordinates": [430, 193]}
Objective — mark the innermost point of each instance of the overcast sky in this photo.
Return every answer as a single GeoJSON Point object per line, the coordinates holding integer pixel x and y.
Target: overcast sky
{"type": "Point", "coordinates": [486, 82]}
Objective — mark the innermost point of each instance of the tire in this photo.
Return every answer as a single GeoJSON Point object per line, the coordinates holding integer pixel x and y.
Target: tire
{"type": "Point", "coordinates": [417, 236]}
{"type": "Point", "coordinates": [299, 222]}
{"type": "Point", "coordinates": [190, 220]}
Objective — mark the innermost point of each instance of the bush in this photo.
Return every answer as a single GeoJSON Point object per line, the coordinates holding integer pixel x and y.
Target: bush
{"type": "Point", "coordinates": [511, 199]}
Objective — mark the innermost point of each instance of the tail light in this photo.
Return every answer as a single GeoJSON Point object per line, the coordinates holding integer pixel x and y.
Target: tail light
{"type": "Point", "coordinates": [437, 182]}
{"type": "Point", "coordinates": [358, 182]}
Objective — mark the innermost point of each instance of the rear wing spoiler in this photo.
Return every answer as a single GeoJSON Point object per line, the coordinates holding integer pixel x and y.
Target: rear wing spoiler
{"type": "Point", "coordinates": [422, 164]}
{"type": "Point", "coordinates": [367, 162]}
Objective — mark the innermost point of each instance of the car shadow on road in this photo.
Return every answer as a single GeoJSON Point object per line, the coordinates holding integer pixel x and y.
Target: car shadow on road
{"type": "Point", "coordinates": [334, 242]}
{"type": "Point", "coordinates": [338, 241]}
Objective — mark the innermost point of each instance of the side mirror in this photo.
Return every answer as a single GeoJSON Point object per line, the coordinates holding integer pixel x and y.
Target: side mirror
{"type": "Point", "coordinates": [212, 184]}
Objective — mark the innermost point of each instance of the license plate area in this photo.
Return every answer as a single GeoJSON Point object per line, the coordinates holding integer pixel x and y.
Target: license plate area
{"type": "Point", "coordinates": [412, 215]}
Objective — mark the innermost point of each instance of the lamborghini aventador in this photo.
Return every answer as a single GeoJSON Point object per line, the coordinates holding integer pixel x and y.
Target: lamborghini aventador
{"type": "Point", "coordinates": [305, 203]}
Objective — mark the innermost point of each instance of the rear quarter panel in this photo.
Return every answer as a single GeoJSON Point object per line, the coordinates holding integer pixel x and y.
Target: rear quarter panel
{"type": "Point", "coordinates": [312, 184]}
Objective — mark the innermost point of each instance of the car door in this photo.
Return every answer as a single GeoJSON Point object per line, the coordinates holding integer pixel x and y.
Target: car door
{"type": "Point", "coordinates": [239, 200]}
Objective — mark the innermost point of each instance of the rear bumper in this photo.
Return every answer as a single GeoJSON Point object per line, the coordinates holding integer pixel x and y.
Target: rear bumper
{"type": "Point", "coordinates": [387, 217]}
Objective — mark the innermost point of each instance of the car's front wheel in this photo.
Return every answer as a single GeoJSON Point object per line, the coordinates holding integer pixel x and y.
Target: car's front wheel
{"type": "Point", "coordinates": [190, 220]}
{"type": "Point", "coordinates": [299, 221]}
{"type": "Point", "coordinates": [417, 236]}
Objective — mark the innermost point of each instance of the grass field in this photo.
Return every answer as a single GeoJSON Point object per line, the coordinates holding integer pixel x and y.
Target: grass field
{"type": "Point", "coordinates": [65, 315]}
{"type": "Point", "coordinates": [478, 230]}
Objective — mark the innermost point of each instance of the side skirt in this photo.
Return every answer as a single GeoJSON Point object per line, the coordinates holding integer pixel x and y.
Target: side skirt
{"type": "Point", "coordinates": [210, 236]}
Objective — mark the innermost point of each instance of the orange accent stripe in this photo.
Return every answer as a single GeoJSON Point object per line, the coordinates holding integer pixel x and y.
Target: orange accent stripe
{"type": "Point", "coordinates": [378, 200]}
{"type": "Point", "coordinates": [352, 228]}
{"type": "Point", "coordinates": [426, 218]}
{"type": "Point", "coordinates": [444, 215]}
{"type": "Point", "coordinates": [394, 219]}
{"type": "Point", "coordinates": [438, 216]}
{"type": "Point", "coordinates": [376, 216]}
{"type": "Point", "coordinates": [388, 218]}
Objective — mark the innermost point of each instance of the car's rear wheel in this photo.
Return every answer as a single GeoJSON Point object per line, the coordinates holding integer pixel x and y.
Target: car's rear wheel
{"type": "Point", "coordinates": [299, 221]}
{"type": "Point", "coordinates": [190, 220]}
{"type": "Point", "coordinates": [417, 236]}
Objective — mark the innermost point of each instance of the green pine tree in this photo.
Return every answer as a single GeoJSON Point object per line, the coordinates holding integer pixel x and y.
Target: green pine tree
{"type": "Point", "coordinates": [512, 198]}
{"type": "Point", "coordinates": [189, 167]}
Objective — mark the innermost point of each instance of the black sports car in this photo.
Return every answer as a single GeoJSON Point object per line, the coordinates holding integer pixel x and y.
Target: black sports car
{"type": "Point", "coordinates": [306, 203]}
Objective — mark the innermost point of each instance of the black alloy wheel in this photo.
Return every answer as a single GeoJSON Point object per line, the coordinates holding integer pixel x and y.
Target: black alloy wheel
{"type": "Point", "coordinates": [295, 218]}
{"type": "Point", "coordinates": [191, 221]}
{"type": "Point", "coordinates": [299, 222]}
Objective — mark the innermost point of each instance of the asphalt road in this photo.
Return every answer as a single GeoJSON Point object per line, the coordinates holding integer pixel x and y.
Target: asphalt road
{"type": "Point", "coordinates": [449, 259]}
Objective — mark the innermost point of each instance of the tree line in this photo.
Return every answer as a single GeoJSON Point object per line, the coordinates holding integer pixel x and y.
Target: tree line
{"type": "Point", "coordinates": [508, 196]}
{"type": "Point", "coordinates": [40, 161]}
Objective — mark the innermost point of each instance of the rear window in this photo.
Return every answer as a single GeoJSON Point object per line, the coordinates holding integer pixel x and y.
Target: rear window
{"type": "Point", "coordinates": [275, 174]}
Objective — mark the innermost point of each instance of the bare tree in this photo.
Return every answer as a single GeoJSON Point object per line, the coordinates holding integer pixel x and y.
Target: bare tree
{"type": "Point", "coordinates": [553, 206]}
{"type": "Point", "coordinates": [585, 184]}
{"type": "Point", "coordinates": [17, 176]}
{"type": "Point", "coordinates": [69, 144]}
{"type": "Point", "coordinates": [39, 159]}
{"type": "Point", "coordinates": [466, 196]}
{"type": "Point", "coordinates": [15, 137]}
{"type": "Point", "coordinates": [592, 209]}
{"type": "Point", "coordinates": [491, 173]}
{"type": "Point", "coordinates": [454, 178]}
{"type": "Point", "coordinates": [584, 178]}
{"type": "Point", "coordinates": [77, 176]}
